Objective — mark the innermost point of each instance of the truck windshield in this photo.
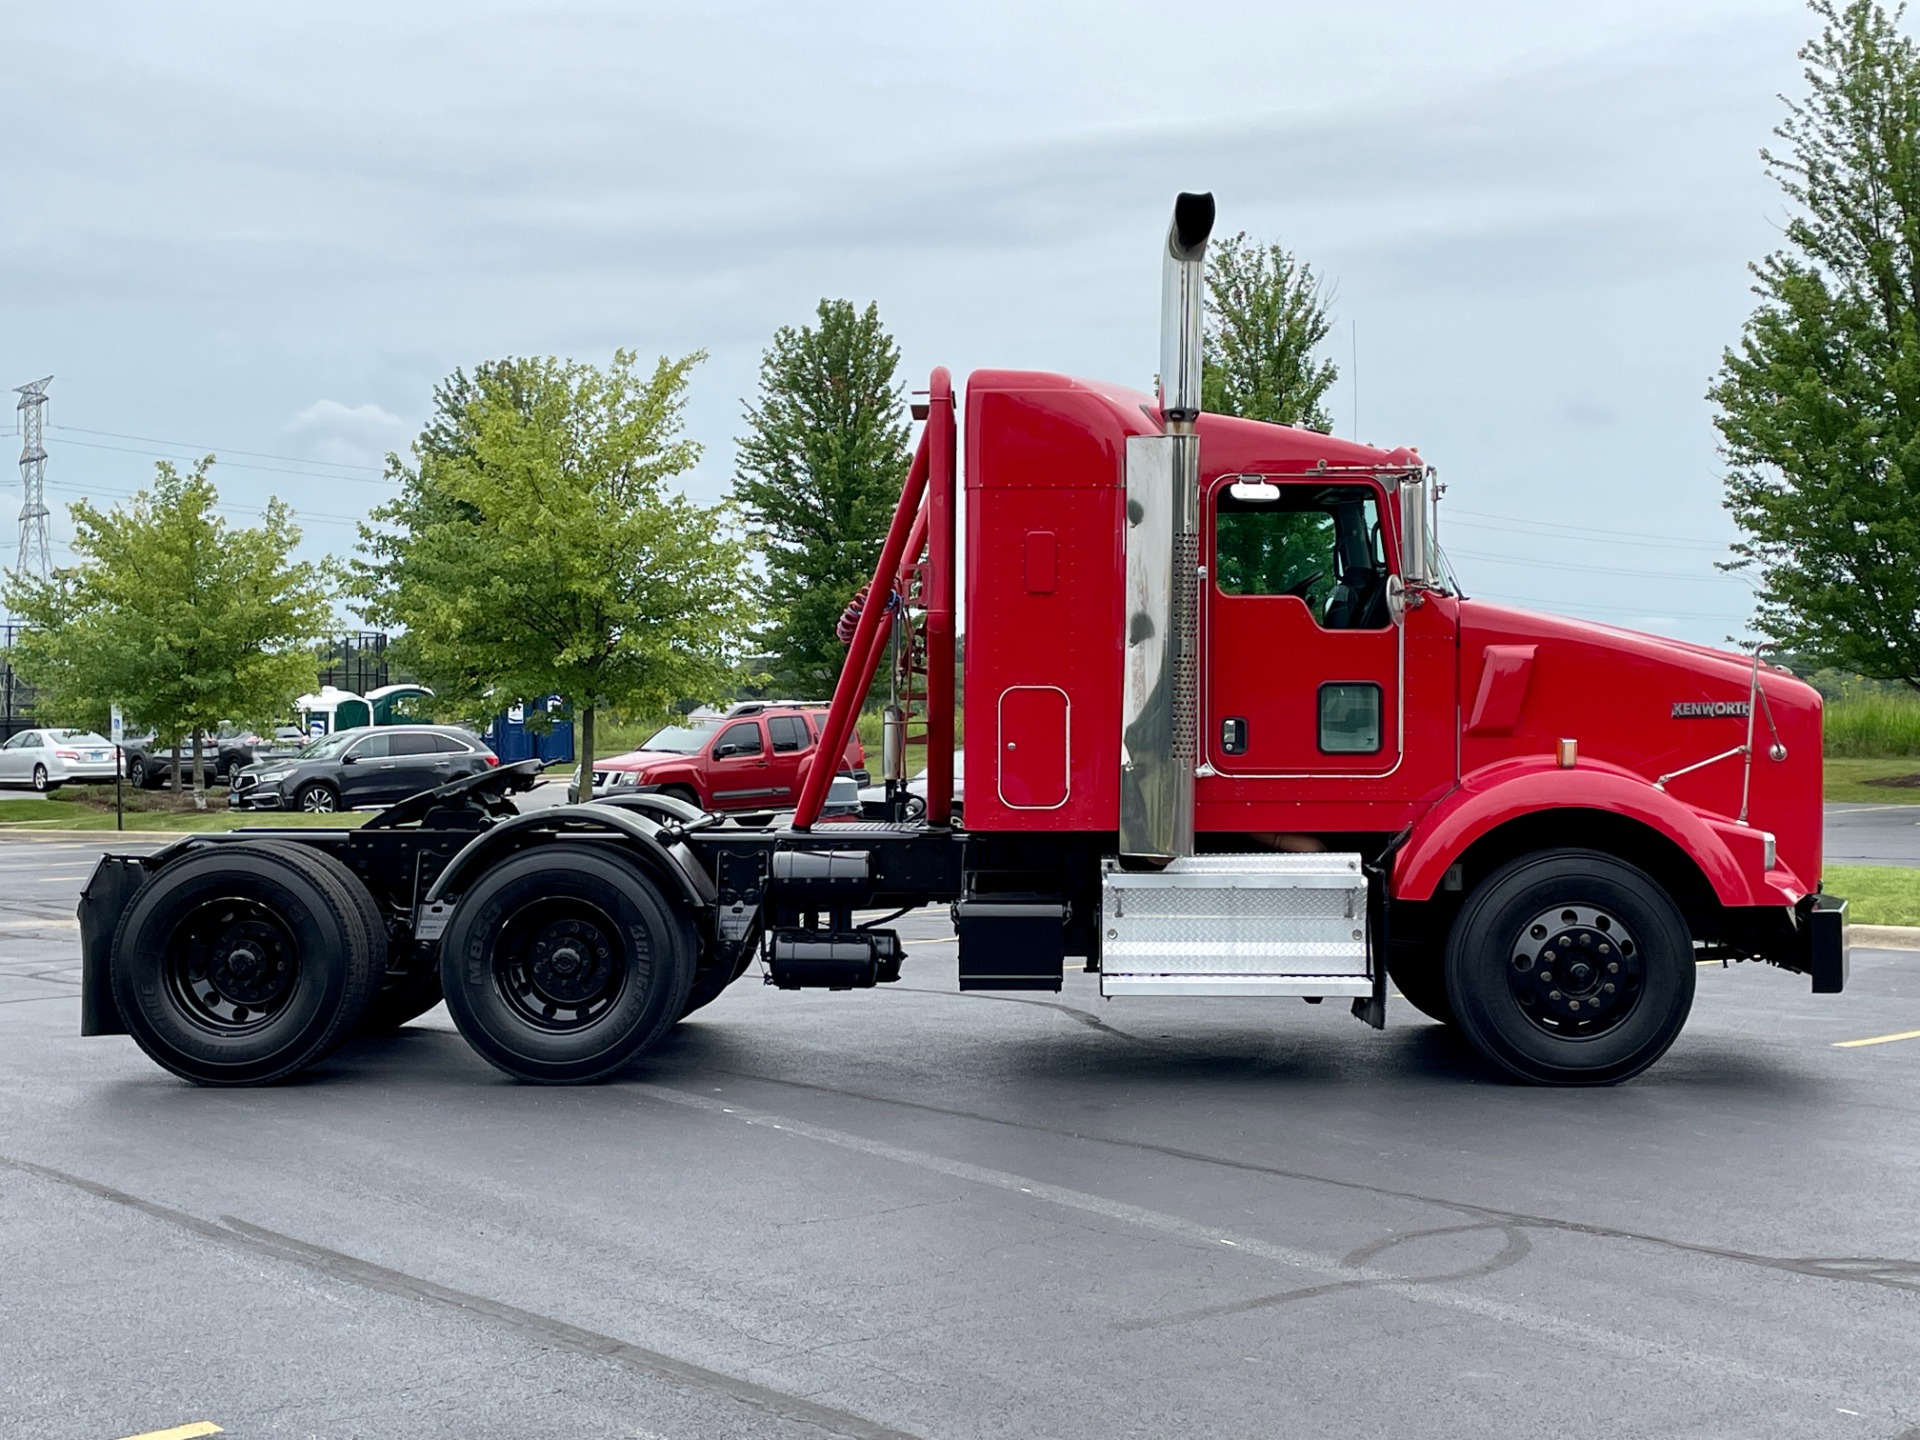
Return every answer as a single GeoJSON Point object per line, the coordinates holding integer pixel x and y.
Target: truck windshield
{"type": "Point", "coordinates": [679, 739]}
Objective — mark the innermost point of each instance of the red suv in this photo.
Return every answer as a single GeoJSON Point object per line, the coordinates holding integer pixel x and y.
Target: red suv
{"type": "Point", "coordinates": [752, 758]}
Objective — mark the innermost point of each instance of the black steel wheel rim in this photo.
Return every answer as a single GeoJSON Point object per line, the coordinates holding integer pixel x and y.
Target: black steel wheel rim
{"type": "Point", "coordinates": [560, 964]}
{"type": "Point", "coordinates": [1576, 971]}
{"type": "Point", "coordinates": [232, 966]}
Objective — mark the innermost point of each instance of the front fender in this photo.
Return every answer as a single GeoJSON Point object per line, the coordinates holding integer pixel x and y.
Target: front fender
{"type": "Point", "coordinates": [1728, 854]}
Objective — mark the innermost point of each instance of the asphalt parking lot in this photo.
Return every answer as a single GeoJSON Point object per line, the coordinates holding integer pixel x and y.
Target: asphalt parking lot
{"type": "Point", "coordinates": [911, 1212]}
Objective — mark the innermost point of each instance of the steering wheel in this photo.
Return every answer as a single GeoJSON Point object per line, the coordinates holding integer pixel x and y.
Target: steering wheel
{"type": "Point", "coordinates": [1300, 588]}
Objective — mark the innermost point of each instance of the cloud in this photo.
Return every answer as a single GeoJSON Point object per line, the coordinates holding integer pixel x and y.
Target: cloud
{"type": "Point", "coordinates": [348, 434]}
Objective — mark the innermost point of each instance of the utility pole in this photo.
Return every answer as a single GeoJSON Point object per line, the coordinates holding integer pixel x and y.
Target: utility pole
{"type": "Point", "coordinates": [36, 554]}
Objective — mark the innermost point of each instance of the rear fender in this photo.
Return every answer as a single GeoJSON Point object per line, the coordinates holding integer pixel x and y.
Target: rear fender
{"type": "Point", "coordinates": [637, 831]}
{"type": "Point", "coordinates": [1512, 789]}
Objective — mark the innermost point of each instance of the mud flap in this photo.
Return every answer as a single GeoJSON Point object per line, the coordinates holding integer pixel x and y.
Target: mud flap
{"type": "Point", "coordinates": [110, 889]}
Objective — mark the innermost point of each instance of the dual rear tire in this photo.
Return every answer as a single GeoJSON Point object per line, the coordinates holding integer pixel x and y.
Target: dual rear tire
{"type": "Point", "coordinates": [242, 964]}
{"type": "Point", "coordinates": [563, 964]}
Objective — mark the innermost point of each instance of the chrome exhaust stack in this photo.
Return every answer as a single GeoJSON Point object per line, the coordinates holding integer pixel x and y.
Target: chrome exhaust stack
{"type": "Point", "coordinates": [1159, 737]}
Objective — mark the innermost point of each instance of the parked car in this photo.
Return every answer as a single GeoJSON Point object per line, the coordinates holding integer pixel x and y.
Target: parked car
{"type": "Point", "coordinates": [752, 758]}
{"type": "Point", "coordinates": [47, 759]}
{"type": "Point", "coordinates": [149, 761]}
{"type": "Point", "coordinates": [370, 765]}
{"type": "Point", "coordinates": [874, 797]}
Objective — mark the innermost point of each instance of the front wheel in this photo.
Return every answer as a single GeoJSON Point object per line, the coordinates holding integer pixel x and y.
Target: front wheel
{"type": "Point", "coordinates": [1570, 967]}
{"type": "Point", "coordinates": [562, 965]}
{"type": "Point", "coordinates": [137, 773]}
{"type": "Point", "coordinates": [318, 799]}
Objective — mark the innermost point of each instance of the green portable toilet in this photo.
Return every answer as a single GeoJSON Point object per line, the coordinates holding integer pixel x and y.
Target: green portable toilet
{"type": "Point", "coordinates": [333, 709]}
{"type": "Point", "coordinates": [400, 704]}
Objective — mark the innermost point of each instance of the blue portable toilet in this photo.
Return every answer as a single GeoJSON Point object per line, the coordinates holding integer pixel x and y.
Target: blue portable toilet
{"type": "Point", "coordinates": [513, 740]}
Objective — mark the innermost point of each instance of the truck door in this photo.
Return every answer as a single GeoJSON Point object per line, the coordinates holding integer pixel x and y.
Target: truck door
{"type": "Point", "coordinates": [1304, 672]}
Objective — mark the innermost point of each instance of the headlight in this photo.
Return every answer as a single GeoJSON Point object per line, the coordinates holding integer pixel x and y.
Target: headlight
{"type": "Point", "coordinates": [268, 777]}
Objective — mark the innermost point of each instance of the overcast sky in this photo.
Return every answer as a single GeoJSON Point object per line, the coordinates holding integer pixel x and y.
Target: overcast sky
{"type": "Point", "coordinates": [270, 229]}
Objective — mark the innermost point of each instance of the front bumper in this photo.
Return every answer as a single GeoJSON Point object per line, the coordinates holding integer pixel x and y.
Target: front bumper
{"type": "Point", "coordinates": [256, 797]}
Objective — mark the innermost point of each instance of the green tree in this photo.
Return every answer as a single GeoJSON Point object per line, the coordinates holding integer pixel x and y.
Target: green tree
{"type": "Point", "coordinates": [1267, 315]}
{"type": "Point", "coordinates": [1819, 402]}
{"type": "Point", "coordinates": [183, 620]}
{"type": "Point", "coordinates": [536, 548]}
{"type": "Point", "coordinates": [818, 475]}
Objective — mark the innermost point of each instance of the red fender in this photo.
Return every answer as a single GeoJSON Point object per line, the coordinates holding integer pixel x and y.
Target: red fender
{"type": "Point", "coordinates": [1728, 854]}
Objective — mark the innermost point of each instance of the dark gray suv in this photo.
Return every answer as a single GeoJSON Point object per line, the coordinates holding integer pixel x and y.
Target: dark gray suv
{"type": "Point", "coordinates": [374, 765]}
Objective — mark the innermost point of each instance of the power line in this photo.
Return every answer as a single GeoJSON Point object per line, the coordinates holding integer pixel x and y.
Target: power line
{"type": "Point", "coordinates": [84, 491]}
{"type": "Point", "coordinates": [218, 449]}
{"type": "Point", "coordinates": [1582, 532]}
{"type": "Point", "coordinates": [1594, 569]}
{"type": "Point", "coordinates": [225, 464]}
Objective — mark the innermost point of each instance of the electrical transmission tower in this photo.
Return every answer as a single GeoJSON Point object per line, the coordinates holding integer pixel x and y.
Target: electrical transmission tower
{"type": "Point", "coordinates": [36, 554]}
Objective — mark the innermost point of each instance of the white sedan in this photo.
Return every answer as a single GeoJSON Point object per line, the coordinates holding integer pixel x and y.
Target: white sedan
{"type": "Point", "coordinates": [45, 759]}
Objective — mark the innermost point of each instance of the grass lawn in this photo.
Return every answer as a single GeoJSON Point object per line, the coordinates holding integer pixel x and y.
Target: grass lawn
{"type": "Point", "coordinates": [1847, 777]}
{"type": "Point", "coordinates": [90, 807]}
{"type": "Point", "coordinates": [1877, 894]}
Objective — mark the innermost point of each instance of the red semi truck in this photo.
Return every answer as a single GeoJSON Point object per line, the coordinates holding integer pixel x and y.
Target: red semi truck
{"type": "Point", "coordinates": [1232, 732]}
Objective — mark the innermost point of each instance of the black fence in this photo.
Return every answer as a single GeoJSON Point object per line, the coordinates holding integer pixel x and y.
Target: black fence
{"type": "Point", "coordinates": [16, 696]}
{"type": "Point", "coordinates": [355, 660]}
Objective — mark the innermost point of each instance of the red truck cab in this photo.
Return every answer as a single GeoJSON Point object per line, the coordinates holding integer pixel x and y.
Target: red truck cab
{"type": "Point", "coordinates": [754, 757]}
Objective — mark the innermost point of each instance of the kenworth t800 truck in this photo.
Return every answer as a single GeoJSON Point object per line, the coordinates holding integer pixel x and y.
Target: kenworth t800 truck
{"type": "Point", "coordinates": [1231, 733]}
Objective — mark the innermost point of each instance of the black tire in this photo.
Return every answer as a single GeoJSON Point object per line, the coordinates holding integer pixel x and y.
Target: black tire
{"type": "Point", "coordinates": [409, 986]}
{"type": "Point", "coordinates": [138, 776]}
{"type": "Point", "coordinates": [317, 798]}
{"type": "Point", "coordinates": [562, 965]}
{"type": "Point", "coordinates": [1420, 975]}
{"type": "Point", "coordinates": [201, 963]}
{"type": "Point", "coordinates": [40, 782]}
{"type": "Point", "coordinates": [684, 792]}
{"type": "Point", "coordinates": [1570, 968]}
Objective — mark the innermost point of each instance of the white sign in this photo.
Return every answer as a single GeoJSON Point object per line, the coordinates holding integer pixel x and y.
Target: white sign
{"type": "Point", "coordinates": [116, 724]}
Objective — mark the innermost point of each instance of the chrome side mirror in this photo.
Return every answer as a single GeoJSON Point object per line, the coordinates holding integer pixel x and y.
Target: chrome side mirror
{"type": "Point", "coordinates": [1419, 563]}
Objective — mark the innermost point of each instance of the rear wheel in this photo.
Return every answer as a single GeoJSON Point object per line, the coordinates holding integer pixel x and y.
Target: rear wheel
{"type": "Point", "coordinates": [1570, 968]}
{"type": "Point", "coordinates": [40, 779]}
{"type": "Point", "coordinates": [240, 964]}
{"type": "Point", "coordinates": [562, 965]}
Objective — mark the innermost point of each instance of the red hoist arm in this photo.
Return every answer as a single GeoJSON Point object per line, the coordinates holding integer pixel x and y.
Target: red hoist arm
{"type": "Point", "coordinates": [863, 651]}
{"type": "Point", "coordinates": [941, 498]}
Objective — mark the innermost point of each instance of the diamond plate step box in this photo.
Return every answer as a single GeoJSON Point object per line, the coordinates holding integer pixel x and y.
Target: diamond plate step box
{"type": "Point", "coordinates": [1236, 925]}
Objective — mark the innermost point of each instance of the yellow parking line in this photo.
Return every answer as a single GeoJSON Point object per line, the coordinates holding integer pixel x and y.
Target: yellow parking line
{"type": "Point", "coordinates": [180, 1432]}
{"type": "Point", "coordinates": [1876, 1040]}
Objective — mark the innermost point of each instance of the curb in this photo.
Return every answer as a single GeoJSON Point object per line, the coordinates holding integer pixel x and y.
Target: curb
{"type": "Point", "coordinates": [1884, 937]}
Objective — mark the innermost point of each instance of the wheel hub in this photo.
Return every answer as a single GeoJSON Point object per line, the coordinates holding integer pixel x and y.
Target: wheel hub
{"type": "Point", "coordinates": [560, 964]}
{"type": "Point", "coordinates": [232, 968]}
{"type": "Point", "coordinates": [1577, 971]}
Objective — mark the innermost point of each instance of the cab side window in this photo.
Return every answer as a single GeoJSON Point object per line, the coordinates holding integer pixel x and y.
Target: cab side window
{"type": "Point", "coordinates": [741, 739]}
{"type": "Point", "coordinates": [1319, 543]}
{"type": "Point", "coordinates": [412, 743]}
{"type": "Point", "coordinates": [374, 747]}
